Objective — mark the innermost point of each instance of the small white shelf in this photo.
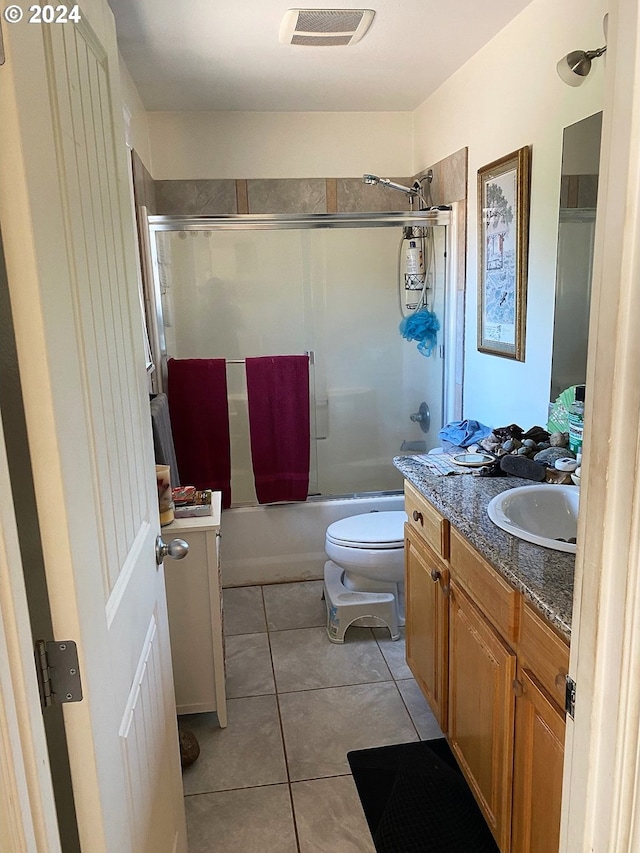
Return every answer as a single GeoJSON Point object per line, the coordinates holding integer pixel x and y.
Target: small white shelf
{"type": "Point", "coordinates": [194, 600]}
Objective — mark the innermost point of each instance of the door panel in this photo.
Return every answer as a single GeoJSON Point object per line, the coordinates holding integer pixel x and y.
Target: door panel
{"type": "Point", "coordinates": [539, 757]}
{"type": "Point", "coordinates": [481, 711]}
{"type": "Point", "coordinates": [70, 256]}
{"type": "Point", "coordinates": [427, 619]}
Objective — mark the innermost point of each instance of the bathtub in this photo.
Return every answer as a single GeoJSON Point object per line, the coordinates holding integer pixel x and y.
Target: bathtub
{"type": "Point", "coordinates": [285, 542]}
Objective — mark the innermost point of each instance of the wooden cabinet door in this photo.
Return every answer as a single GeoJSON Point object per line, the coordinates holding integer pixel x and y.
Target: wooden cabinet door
{"type": "Point", "coordinates": [427, 622]}
{"type": "Point", "coordinates": [537, 780]}
{"type": "Point", "coordinates": [482, 668]}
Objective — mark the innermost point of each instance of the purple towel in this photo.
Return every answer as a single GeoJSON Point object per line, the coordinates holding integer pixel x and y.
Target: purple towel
{"type": "Point", "coordinates": [279, 423]}
{"type": "Point", "coordinates": [197, 391]}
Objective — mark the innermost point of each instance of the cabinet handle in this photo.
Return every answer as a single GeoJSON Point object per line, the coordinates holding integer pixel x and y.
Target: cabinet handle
{"type": "Point", "coordinates": [417, 516]}
{"type": "Point", "coordinates": [435, 575]}
{"type": "Point", "coordinates": [518, 689]}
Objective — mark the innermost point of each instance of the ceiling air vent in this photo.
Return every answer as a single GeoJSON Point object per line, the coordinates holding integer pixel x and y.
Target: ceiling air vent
{"type": "Point", "coordinates": [323, 27]}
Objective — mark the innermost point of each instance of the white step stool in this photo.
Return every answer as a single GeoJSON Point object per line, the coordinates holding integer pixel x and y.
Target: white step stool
{"type": "Point", "coordinates": [345, 606]}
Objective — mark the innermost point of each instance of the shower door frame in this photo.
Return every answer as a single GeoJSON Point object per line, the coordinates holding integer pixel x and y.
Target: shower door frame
{"type": "Point", "coordinates": [431, 217]}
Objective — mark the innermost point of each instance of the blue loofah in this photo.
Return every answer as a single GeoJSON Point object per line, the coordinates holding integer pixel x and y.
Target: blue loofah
{"type": "Point", "coordinates": [421, 326]}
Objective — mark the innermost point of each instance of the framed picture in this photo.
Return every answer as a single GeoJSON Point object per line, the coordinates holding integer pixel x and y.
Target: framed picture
{"type": "Point", "coordinates": [503, 232]}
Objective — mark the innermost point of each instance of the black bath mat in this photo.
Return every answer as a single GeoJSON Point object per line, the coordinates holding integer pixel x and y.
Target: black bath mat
{"type": "Point", "coordinates": [416, 800]}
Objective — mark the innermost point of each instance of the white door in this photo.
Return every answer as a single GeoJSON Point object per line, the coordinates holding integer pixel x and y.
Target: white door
{"type": "Point", "coordinates": [70, 257]}
{"type": "Point", "coordinates": [27, 809]}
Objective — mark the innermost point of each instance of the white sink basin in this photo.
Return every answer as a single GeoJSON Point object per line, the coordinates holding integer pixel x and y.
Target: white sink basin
{"type": "Point", "coordinates": [544, 514]}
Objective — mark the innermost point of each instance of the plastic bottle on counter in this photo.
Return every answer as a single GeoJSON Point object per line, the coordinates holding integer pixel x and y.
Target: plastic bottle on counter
{"type": "Point", "coordinates": [576, 420]}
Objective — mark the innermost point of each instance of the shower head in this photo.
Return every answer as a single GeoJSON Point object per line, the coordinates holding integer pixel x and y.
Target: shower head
{"type": "Point", "coordinates": [385, 182]}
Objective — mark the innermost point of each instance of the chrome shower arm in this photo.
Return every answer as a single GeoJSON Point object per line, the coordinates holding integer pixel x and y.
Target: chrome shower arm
{"type": "Point", "coordinates": [393, 186]}
{"type": "Point", "coordinates": [412, 192]}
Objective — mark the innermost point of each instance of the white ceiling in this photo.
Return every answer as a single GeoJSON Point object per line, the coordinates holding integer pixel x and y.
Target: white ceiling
{"type": "Point", "coordinates": [225, 54]}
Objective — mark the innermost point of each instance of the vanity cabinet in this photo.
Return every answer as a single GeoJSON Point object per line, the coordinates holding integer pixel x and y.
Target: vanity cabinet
{"type": "Point", "coordinates": [538, 761]}
{"type": "Point", "coordinates": [194, 603]}
{"type": "Point", "coordinates": [543, 661]}
{"type": "Point", "coordinates": [427, 622]}
{"type": "Point", "coordinates": [426, 600]}
{"type": "Point", "coordinates": [492, 670]}
{"type": "Point", "coordinates": [484, 616]}
{"type": "Point", "coordinates": [427, 521]}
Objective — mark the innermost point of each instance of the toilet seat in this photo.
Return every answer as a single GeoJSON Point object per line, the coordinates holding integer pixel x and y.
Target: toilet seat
{"type": "Point", "coordinates": [377, 531]}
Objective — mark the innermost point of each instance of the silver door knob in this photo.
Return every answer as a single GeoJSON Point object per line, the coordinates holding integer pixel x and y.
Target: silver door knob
{"type": "Point", "coordinates": [177, 549]}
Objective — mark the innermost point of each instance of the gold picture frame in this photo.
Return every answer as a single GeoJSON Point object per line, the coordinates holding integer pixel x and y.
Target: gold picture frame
{"type": "Point", "coordinates": [503, 242]}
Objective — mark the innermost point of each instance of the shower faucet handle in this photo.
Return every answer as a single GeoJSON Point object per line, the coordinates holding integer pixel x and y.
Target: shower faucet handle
{"type": "Point", "coordinates": [422, 417]}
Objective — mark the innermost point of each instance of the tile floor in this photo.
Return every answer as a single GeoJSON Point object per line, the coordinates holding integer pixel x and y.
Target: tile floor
{"type": "Point", "coordinates": [277, 780]}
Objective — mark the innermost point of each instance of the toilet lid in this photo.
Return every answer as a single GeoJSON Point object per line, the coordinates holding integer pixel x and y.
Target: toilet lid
{"type": "Point", "coordinates": [369, 530]}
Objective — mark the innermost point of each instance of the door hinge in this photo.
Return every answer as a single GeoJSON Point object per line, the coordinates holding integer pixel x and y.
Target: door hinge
{"type": "Point", "coordinates": [570, 696]}
{"type": "Point", "coordinates": [58, 672]}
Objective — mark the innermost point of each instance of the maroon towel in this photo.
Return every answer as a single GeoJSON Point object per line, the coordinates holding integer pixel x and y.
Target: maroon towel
{"type": "Point", "coordinates": [278, 393]}
{"type": "Point", "coordinates": [197, 391]}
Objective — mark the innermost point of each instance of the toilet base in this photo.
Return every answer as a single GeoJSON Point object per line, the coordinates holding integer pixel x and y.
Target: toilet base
{"type": "Point", "coordinates": [346, 607]}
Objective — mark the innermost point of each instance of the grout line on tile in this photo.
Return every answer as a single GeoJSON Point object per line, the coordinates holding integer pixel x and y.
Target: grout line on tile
{"type": "Point", "coordinates": [227, 790]}
{"type": "Point", "coordinates": [407, 707]}
{"type": "Point", "coordinates": [320, 778]}
{"type": "Point", "coordinates": [284, 745]}
{"type": "Point", "coordinates": [339, 686]}
{"type": "Point", "coordinates": [251, 696]}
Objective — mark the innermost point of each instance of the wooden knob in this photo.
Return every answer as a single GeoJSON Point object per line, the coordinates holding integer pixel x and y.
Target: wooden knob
{"type": "Point", "coordinates": [518, 689]}
{"type": "Point", "coordinates": [435, 575]}
{"type": "Point", "coordinates": [561, 680]}
{"type": "Point", "coordinates": [417, 516]}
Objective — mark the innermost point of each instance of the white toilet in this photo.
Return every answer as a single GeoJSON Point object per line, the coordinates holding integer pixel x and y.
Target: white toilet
{"type": "Point", "coordinates": [364, 575]}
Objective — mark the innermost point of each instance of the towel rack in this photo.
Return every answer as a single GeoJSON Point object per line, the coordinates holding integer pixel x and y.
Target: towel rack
{"type": "Point", "coordinates": [310, 353]}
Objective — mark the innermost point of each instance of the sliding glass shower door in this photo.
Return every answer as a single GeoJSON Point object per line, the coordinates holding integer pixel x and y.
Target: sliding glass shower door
{"type": "Point", "coordinates": [329, 292]}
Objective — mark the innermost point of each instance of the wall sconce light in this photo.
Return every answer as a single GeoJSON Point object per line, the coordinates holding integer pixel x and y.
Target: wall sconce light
{"type": "Point", "coordinates": [574, 67]}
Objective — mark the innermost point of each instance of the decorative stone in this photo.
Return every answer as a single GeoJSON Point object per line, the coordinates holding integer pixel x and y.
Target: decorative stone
{"type": "Point", "coordinates": [189, 748]}
{"type": "Point", "coordinates": [536, 433]}
{"type": "Point", "coordinates": [542, 445]}
{"type": "Point", "coordinates": [551, 454]}
{"type": "Point", "coordinates": [511, 444]}
{"type": "Point", "coordinates": [522, 451]}
{"type": "Point", "coordinates": [520, 466]}
{"type": "Point", "coordinates": [566, 464]}
{"type": "Point", "coordinates": [529, 442]}
{"type": "Point", "coordinates": [559, 439]}
{"type": "Point", "coordinates": [561, 478]}
{"type": "Point", "coordinates": [490, 443]}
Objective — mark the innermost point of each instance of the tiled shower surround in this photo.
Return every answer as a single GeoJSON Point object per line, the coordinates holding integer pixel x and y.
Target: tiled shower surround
{"type": "Point", "coordinates": [305, 195]}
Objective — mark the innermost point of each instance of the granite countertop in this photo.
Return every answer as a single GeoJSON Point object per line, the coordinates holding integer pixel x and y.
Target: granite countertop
{"type": "Point", "coordinates": [544, 576]}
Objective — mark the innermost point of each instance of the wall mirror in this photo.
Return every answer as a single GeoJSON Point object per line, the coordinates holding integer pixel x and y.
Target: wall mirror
{"type": "Point", "coordinates": [576, 229]}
